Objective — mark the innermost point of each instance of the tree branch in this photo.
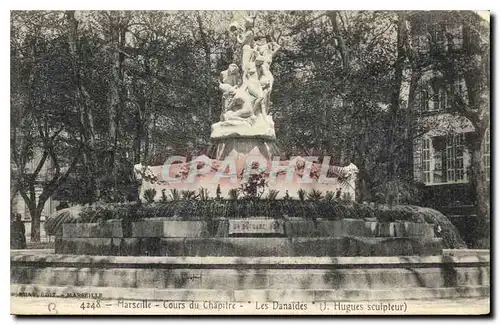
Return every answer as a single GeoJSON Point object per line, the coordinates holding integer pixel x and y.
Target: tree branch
{"type": "Point", "coordinates": [39, 166]}
{"type": "Point", "coordinates": [49, 189]}
{"type": "Point", "coordinates": [461, 107]}
{"type": "Point", "coordinates": [372, 42]}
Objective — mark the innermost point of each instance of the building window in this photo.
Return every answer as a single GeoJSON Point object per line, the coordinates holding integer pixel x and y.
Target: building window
{"type": "Point", "coordinates": [460, 88]}
{"type": "Point", "coordinates": [435, 101]}
{"type": "Point", "coordinates": [438, 38]}
{"type": "Point", "coordinates": [486, 156]}
{"type": "Point", "coordinates": [459, 156]}
{"type": "Point", "coordinates": [421, 43]}
{"type": "Point", "coordinates": [440, 98]}
{"type": "Point", "coordinates": [417, 160]}
{"type": "Point", "coordinates": [26, 215]}
{"type": "Point", "coordinates": [465, 35]}
{"type": "Point", "coordinates": [443, 98]}
{"type": "Point", "coordinates": [458, 37]}
{"type": "Point", "coordinates": [454, 158]}
{"type": "Point", "coordinates": [449, 99]}
{"type": "Point", "coordinates": [424, 100]}
{"type": "Point", "coordinates": [437, 175]}
{"type": "Point", "coordinates": [426, 160]}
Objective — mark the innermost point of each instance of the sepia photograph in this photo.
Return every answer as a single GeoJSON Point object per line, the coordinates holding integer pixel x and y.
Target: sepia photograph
{"type": "Point", "coordinates": [253, 162]}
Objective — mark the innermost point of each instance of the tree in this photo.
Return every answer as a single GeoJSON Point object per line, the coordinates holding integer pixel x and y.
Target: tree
{"type": "Point", "coordinates": [82, 102]}
{"type": "Point", "coordinates": [474, 68]}
{"type": "Point", "coordinates": [42, 137]}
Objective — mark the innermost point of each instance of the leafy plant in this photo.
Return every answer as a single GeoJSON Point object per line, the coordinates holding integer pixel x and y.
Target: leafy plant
{"type": "Point", "coordinates": [203, 194]}
{"type": "Point", "coordinates": [164, 197]}
{"type": "Point", "coordinates": [287, 196]}
{"type": "Point", "coordinates": [233, 194]}
{"type": "Point", "coordinates": [342, 177]}
{"type": "Point", "coordinates": [315, 195]}
{"type": "Point", "coordinates": [189, 195]}
{"type": "Point", "coordinates": [149, 195]}
{"type": "Point", "coordinates": [218, 192]}
{"type": "Point", "coordinates": [175, 194]}
{"type": "Point", "coordinates": [347, 197]}
{"type": "Point", "coordinates": [255, 186]}
{"type": "Point", "coordinates": [329, 196]}
{"type": "Point", "coordinates": [338, 193]}
{"type": "Point", "coordinates": [272, 195]}
{"type": "Point", "coordinates": [397, 191]}
{"type": "Point", "coordinates": [302, 194]}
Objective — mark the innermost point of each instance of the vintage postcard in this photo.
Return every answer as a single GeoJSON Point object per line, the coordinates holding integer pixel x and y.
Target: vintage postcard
{"type": "Point", "coordinates": [250, 162]}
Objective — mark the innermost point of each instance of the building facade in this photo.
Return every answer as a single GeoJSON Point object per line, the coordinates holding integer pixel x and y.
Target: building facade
{"type": "Point", "coordinates": [441, 157]}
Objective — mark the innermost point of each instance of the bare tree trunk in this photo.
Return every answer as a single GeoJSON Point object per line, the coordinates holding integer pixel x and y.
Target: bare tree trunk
{"type": "Point", "coordinates": [363, 190]}
{"type": "Point", "coordinates": [35, 215]}
{"type": "Point", "coordinates": [29, 195]}
{"type": "Point", "coordinates": [400, 97]}
{"type": "Point", "coordinates": [82, 104]}
{"type": "Point", "coordinates": [138, 131]}
{"type": "Point", "coordinates": [479, 178]}
{"type": "Point", "coordinates": [115, 86]}
{"type": "Point", "coordinates": [14, 190]}
{"type": "Point", "coordinates": [114, 94]}
{"type": "Point", "coordinates": [208, 65]}
{"type": "Point", "coordinates": [411, 127]}
{"type": "Point", "coordinates": [145, 128]}
{"type": "Point", "coordinates": [340, 42]}
{"type": "Point", "coordinates": [478, 112]}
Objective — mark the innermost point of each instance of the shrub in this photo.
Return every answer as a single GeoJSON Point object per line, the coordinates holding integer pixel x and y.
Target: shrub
{"type": "Point", "coordinates": [272, 194]}
{"type": "Point", "coordinates": [164, 197]}
{"type": "Point", "coordinates": [302, 194]}
{"type": "Point", "coordinates": [218, 192]}
{"type": "Point", "coordinates": [315, 195]}
{"type": "Point", "coordinates": [255, 186]}
{"type": "Point", "coordinates": [233, 194]}
{"type": "Point", "coordinates": [189, 195]}
{"type": "Point", "coordinates": [347, 197]}
{"type": "Point", "coordinates": [338, 193]}
{"type": "Point", "coordinates": [203, 194]}
{"type": "Point", "coordinates": [175, 194]}
{"type": "Point", "coordinates": [53, 225]}
{"type": "Point", "coordinates": [329, 196]}
{"type": "Point", "coordinates": [397, 191]}
{"type": "Point", "coordinates": [450, 235]}
{"type": "Point", "coordinates": [149, 195]}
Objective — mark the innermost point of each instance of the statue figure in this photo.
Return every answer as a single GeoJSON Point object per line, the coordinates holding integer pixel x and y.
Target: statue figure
{"type": "Point", "coordinates": [265, 52]}
{"type": "Point", "coordinates": [246, 38]}
{"type": "Point", "coordinates": [229, 80]}
{"type": "Point", "coordinates": [246, 96]}
{"type": "Point", "coordinates": [231, 76]}
{"type": "Point", "coordinates": [253, 85]}
{"type": "Point", "coordinates": [266, 81]}
{"type": "Point", "coordinates": [240, 107]}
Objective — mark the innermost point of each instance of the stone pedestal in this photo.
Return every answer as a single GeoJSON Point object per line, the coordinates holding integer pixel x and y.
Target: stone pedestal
{"type": "Point", "coordinates": [236, 146]}
{"type": "Point", "coordinates": [238, 137]}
